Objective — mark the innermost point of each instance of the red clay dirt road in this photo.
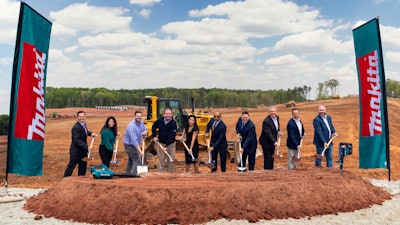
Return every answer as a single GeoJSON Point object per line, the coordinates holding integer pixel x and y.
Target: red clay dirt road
{"type": "Point", "coordinates": [198, 198]}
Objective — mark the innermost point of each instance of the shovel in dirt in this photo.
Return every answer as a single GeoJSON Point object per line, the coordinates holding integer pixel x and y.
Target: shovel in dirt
{"type": "Point", "coordinates": [297, 158]}
{"type": "Point", "coordinates": [323, 151]}
{"type": "Point", "coordinates": [142, 168]}
{"type": "Point", "coordinates": [278, 151]}
{"type": "Point", "coordinates": [88, 158]}
{"type": "Point", "coordinates": [115, 161]}
{"type": "Point", "coordinates": [241, 168]}
{"type": "Point", "coordinates": [210, 164]}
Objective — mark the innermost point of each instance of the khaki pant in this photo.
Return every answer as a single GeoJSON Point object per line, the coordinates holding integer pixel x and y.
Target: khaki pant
{"type": "Point", "coordinates": [162, 157]}
{"type": "Point", "coordinates": [291, 154]}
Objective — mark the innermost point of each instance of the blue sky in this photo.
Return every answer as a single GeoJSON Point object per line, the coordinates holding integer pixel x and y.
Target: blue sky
{"type": "Point", "coordinates": [251, 44]}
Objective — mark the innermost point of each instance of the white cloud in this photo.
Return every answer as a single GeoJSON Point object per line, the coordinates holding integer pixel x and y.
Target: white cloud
{"type": "Point", "coordinates": [392, 56]}
{"type": "Point", "coordinates": [85, 18]}
{"type": "Point", "coordinates": [266, 18]}
{"type": "Point", "coordinates": [312, 42]}
{"type": "Point", "coordinates": [71, 49]}
{"type": "Point", "coordinates": [64, 72]}
{"type": "Point", "coordinates": [144, 2]}
{"type": "Point", "coordinates": [390, 36]}
{"type": "Point", "coordinates": [9, 11]}
{"type": "Point", "coordinates": [4, 101]}
{"type": "Point", "coordinates": [145, 13]}
{"type": "Point", "coordinates": [206, 31]}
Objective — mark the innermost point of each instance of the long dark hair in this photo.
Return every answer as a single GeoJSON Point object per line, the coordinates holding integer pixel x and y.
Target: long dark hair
{"type": "Point", "coordinates": [114, 128]}
{"type": "Point", "coordinates": [187, 122]}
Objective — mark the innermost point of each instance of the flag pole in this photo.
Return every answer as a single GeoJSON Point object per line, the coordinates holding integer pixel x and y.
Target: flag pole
{"type": "Point", "coordinates": [12, 94]}
{"type": "Point", "coordinates": [384, 100]}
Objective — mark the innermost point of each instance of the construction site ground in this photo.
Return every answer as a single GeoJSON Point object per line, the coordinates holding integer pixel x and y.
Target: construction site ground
{"type": "Point", "coordinates": [161, 198]}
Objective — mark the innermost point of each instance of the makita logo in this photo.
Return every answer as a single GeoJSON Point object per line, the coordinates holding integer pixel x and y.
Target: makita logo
{"type": "Point", "coordinates": [31, 119]}
{"type": "Point", "coordinates": [371, 95]}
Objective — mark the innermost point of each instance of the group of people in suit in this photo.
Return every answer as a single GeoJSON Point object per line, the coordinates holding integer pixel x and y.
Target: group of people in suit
{"type": "Point", "coordinates": [164, 130]}
{"type": "Point", "coordinates": [270, 137]}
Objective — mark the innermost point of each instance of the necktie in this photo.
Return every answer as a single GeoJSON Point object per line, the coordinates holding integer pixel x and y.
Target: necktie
{"type": "Point", "coordinates": [214, 126]}
{"type": "Point", "coordinates": [84, 127]}
{"type": "Point", "coordinates": [242, 126]}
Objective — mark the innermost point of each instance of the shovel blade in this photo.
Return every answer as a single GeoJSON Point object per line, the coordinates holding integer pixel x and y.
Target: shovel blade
{"type": "Point", "coordinates": [296, 159]}
{"type": "Point", "coordinates": [142, 169]}
{"type": "Point", "coordinates": [115, 162]}
{"type": "Point", "coordinates": [211, 165]}
{"type": "Point", "coordinates": [241, 169]}
{"type": "Point", "coordinates": [87, 159]}
{"type": "Point", "coordinates": [319, 156]}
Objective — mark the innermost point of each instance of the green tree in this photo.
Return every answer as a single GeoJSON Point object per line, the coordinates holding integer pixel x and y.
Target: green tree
{"type": "Point", "coordinates": [4, 120]}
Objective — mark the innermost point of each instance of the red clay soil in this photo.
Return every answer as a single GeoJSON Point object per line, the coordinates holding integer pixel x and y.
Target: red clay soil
{"type": "Point", "coordinates": [162, 198]}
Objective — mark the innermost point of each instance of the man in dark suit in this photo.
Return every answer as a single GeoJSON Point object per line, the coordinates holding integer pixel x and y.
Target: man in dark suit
{"type": "Point", "coordinates": [246, 131]}
{"type": "Point", "coordinates": [295, 133]}
{"type": "Point", "coordinates": [79, 147]}
{"type": "Point", "coordinates": [269, 137]}
{"type": "Point", "coordinates": [218, 140]}
{"type": "Point", "coordinates": [323, 132]}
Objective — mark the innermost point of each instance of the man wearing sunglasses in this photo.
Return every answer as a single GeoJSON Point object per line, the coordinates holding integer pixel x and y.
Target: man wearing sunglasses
{"type": "Point", "coordinates": [218, 140]}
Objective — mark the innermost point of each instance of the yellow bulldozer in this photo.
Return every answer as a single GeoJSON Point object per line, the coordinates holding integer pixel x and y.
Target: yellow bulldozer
{"type": "Point", "coordinates": [155, 109]}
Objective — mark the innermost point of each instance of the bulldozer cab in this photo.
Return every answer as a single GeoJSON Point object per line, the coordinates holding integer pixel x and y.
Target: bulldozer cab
{"type": "Point", "coordinates": [156, 107]}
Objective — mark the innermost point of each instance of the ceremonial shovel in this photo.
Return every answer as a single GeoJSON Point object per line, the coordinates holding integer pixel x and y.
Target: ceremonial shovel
{"type": "Point", "coordinates": [210, 164]}
{"type": "Point", "coordinates": [323, 152]}
{"type": "Point", "coordinates": [88, 158]}
{"type": "Point", "coordinates": [297, 159]}
{"type": "Point", "coordinates": [278, 151]}
{"type": "Point", "coordinates": [170, 158]}
{"type": "Point", "coordinates": [187, 148]}
{"type": "Point", "coordinates": [142, 168]}
{"type": "Point", "coordinates": [241, 168]}
{"type": "Point", "coordinates": [115, 161]}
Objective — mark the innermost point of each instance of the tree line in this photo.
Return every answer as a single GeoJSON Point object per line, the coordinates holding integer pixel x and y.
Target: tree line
{"type": "Point", "coordinates": [214, 97]}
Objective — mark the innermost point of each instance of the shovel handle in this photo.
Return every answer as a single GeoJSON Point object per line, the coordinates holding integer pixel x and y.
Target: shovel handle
{"type": "Point", "coordinates": [170, 158]}
{"type": "Point", "coordinates": [301, 143]}
{"type": "Point", "coordinates": [329, 143]}
{"type": "Point", "coordinates": [278, 151]}
{"type": "Point", "coordinates": [90, 147]}
{"type": "Point", "coordinates": [187, 149]}
{"type": "Point", "coordinates": [91, 143]}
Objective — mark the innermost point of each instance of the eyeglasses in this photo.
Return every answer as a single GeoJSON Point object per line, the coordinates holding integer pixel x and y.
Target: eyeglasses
{"type": "Point", "coordinates": [217, 116]}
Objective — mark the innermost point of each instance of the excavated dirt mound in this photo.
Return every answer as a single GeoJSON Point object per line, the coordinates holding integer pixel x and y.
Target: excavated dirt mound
{"type": "Point", "coordinates": [162, 198]}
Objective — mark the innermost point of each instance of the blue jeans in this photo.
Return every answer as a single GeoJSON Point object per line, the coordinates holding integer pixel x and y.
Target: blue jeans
{"type": "Point", "coordinates": [327, 154]}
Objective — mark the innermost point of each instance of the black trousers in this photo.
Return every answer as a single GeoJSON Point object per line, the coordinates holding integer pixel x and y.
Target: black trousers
{"type": "Point", "coordinates": [105, 155]}
{"type": "Point", "coordinates": [268, 151]}
{"type": "Point", "coordinates": [222, 156]}
{"type": "Point", "coordinates": [252, 159]}
{"type": "Point", "coordinates": [73, 160]}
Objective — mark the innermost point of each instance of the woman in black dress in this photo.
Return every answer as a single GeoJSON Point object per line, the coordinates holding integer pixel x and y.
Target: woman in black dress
{"type": "Point", "coordinates": [190, 133]}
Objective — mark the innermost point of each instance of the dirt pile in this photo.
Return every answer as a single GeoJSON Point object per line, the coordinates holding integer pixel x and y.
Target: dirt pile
{"type": "Point", "coordinates": [161, 198]}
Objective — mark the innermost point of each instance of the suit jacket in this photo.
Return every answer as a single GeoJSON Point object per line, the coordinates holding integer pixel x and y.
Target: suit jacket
{"type": "Point", "coordinates": [321, 132]}
{"type": "Point", "coordinates": [294, 136]}
{"type": "Point", "coordinates": [249, 137]}
{"type": "Point", "coordinates": [218, 137]}
{"type": "Point", "coordinates": [79, 146]}
{"type": "Point", "coordinates": [269, 134]}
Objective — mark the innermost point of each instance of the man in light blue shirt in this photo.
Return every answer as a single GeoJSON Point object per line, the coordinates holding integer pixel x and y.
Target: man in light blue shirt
{"type": "Point", "coordinates": [133, 137]}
